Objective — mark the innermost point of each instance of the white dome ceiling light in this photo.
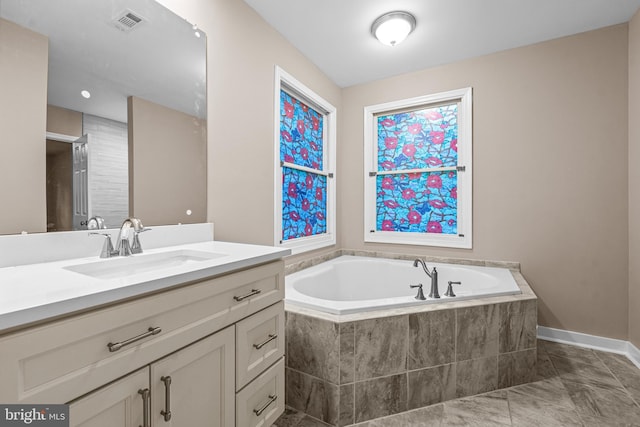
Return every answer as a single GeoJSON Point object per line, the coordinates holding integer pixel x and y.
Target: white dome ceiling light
{"type": "Point", "coordinates": [393, 27]}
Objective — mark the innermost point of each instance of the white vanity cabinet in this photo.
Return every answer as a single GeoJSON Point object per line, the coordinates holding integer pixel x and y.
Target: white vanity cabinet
{"type": "Point", "coordinates": [182, 389]}
{"type": "Point", "coordinates": [201, 350]}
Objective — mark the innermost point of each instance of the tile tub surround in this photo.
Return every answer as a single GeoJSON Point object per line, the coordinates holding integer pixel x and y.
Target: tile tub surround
{"type": "Point", "coordinates": [573, 387]}
{"type": "Point", "coordinates": [352, 368]}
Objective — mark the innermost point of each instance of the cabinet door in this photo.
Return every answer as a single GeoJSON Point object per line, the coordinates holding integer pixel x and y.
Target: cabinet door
{"type": "Point", "coordinates": [195, 386]}
{"type": "Point", "coordinates": [116, 405]}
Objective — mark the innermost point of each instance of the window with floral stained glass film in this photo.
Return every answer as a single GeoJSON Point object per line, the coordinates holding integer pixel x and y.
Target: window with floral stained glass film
{"type": "Point", "coordinates": [418, 160]}
{"type": "Point", "coordinates": [306, 193]}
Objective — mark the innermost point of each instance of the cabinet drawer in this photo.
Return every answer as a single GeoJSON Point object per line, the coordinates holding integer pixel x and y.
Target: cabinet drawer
{"type": "Point", "coordinates": [259, 343]}
{"type": "Point", "coordinates": [262, 401]}
{"type": "Point", "coordinates": [62, 360]}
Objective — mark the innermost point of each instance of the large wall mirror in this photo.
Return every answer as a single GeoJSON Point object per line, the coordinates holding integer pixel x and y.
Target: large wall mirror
{"type": "Point", "coordinates": [126, 111]}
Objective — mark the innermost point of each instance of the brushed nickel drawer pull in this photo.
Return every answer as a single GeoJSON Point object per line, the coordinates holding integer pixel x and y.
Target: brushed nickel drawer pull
{"type": "Point", "coordinates": [167, 398]}
{"type": "Point", "coordinates": [250, 294]}
{"type": "Point", "coordinates": [145, 406]}
{"type": "Point", "coordinates": [272, 398]}
{"type": "Point", "coordinates": [117, 346]}
{"type": "Point", "coordinates": [265, 342]}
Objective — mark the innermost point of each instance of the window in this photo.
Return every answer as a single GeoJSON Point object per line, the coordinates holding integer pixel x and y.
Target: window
{"type": "Point", "coordinates": [305, 152]}
{"type": "Point", "coordinates": [418, 171]}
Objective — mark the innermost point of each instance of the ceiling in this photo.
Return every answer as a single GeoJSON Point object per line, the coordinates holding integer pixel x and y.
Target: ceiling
{"type": "Point", "coordinates": [160, 59]}
{"type": "Point", "coordinates": [335, 34]}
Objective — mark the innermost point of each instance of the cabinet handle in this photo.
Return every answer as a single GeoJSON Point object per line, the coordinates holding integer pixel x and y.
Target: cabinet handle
{"type": "Point", "coordinates": [167, 398]}
{"type": "Point", "coordinates": [145, 407]}
{"type": "Point", "coordinates": [272, 398]}
{"type": "Point", "coordinates": [118, 345]}
{"type": "Point", "coordinates": [250, 294]}
{"type": "Point", "coordinates": [265, 342]}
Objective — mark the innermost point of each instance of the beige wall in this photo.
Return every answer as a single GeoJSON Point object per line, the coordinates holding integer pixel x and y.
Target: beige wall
{"type": "Point", "coordinates": [550, 129]}
{"type": "Point", "coordinates": [550, 170]}
{"type": "Point", "coordinates": [167, 164]}
{"type": "Point", "coordinates": [23, 84]}
{"type": "Point", "coordinates": [242, 51]}
{"type": "Point", "coordinates": [64, 121]}
{"type": "Point", "coordinates": [634, 180]}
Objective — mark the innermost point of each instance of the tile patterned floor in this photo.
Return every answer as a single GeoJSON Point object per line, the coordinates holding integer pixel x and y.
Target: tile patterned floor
{"type": "Point", "coordinates": [574, 387]}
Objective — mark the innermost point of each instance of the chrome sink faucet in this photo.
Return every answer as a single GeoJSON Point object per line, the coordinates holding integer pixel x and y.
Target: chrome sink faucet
{"type": "Point", "coordinates": [96, 223]}
{"type": "Point", "coordinates": [124, 248]}
{"type": "Point", "coordinates": [433, 274]}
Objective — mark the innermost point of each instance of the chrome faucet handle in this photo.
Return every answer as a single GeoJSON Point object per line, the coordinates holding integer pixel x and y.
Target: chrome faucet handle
{"type": "Point", "coordinates": [420, 295]}
{"type": "Point", "coordinates": [107, 247]}
{"type": "Point", "coordinates": [136, 247]}
{"type": "Point", "coordinates": [449, 292]}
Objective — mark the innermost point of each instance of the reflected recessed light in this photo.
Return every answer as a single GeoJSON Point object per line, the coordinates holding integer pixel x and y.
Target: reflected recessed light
{"type": "Point", "coordinates": [197, 34]}
{"type": "Point", "coordinates": [393, 27]}
{"type": "Point", "coordinates": [85, 94]}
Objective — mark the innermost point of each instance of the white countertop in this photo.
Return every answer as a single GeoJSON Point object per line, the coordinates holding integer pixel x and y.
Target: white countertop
{"type": "Point", "coordinates": [37, 292]}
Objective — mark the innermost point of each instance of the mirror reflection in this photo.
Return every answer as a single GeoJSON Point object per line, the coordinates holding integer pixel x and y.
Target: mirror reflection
{"type": "Point", "coordinates": [111, 62]}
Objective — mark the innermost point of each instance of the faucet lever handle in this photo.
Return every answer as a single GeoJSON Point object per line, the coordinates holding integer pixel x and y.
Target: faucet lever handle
{"type": "Point", "coordinates": [449, 292]}
{"type": "Point", "coordinates": [420, 295]}
{"type": "Point", "coordinates": [136, 247]}
{"type": "Point", "coordinates": [107, 247]}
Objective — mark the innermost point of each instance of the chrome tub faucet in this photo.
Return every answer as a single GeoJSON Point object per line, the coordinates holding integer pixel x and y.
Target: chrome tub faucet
{"type": "Point", "coordinates": [433, 274]}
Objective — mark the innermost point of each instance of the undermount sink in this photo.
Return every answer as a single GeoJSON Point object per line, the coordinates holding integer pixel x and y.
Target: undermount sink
{"type": "Point", "coordinates": [135, 264]}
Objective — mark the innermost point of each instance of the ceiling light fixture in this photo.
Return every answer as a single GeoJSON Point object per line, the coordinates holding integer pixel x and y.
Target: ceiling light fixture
{"type": "Point", "coordinates": [85, 94]}
{"type": "Point", "coordinates": [393, 27]}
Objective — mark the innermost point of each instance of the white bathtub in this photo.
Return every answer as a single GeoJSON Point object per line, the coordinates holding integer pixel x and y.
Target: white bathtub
{"type": "Point", "coordinates": [352, 284]}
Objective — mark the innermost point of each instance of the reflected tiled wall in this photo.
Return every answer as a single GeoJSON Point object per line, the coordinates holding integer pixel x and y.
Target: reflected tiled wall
{"type": "Point", "coordinates": [108, 168]}
{"type": "Point", "coordinates": [348, 372]}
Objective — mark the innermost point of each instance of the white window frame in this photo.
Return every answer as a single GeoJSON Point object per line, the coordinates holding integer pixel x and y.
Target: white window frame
{"type": "Point", "coordinates": [465, 171]}
{"type": "Point", "coordinates": [284, 80]}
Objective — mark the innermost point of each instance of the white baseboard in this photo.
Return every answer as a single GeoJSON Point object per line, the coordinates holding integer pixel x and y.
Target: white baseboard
{"type": "Point", "coordinates": [591, 341]}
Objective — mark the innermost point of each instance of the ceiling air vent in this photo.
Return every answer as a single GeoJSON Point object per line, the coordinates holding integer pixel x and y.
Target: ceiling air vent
{"type": "Point", "coordinates": [128, 20]}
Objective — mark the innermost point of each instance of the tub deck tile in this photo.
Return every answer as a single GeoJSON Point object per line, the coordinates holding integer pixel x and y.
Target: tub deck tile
{"type": "Point", "coordinates": [313, 346]}
{"type": "Point", "coordinates": [477, 332]}
{"type": "Point", "coordinates": [431, 385]}
{"type": "Point", "coordinates": [379, 397]}
{"type": "Point", "coordinates": [518, 322]}
{"type": "Point", "coordinates": [516, 368]}
{"type": "Point", "coordinates": [347, 353]}
{"type": "Point", "coordinates": [476, 376]}
{"type": "Point", "coordinates": [431, 339]}
{"type": "Point", "coordinates": [312, 396]}
{"type": "Point", "coordinates": [381, 347]}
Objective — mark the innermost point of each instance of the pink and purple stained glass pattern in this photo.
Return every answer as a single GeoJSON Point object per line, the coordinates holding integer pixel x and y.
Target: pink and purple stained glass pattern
{"type": "Point", "coordinates": [304, 204]}
{"type": "Point", "coordinates": [300, 133]}
{"type": "Point", "coordinates": [417, 202]}
{"type": "Point", "coordinates": [422, 202]}
{"type": "Point", "coordinates": [304, 194]}
{"type": "Point", "coordinates": [419, 139]}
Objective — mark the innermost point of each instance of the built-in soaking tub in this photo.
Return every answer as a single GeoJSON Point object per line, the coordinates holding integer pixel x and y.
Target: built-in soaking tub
{"type": "Point", "coordinates": [360, 346]}
{"type": "Point", "coordinates": [352, 284]}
